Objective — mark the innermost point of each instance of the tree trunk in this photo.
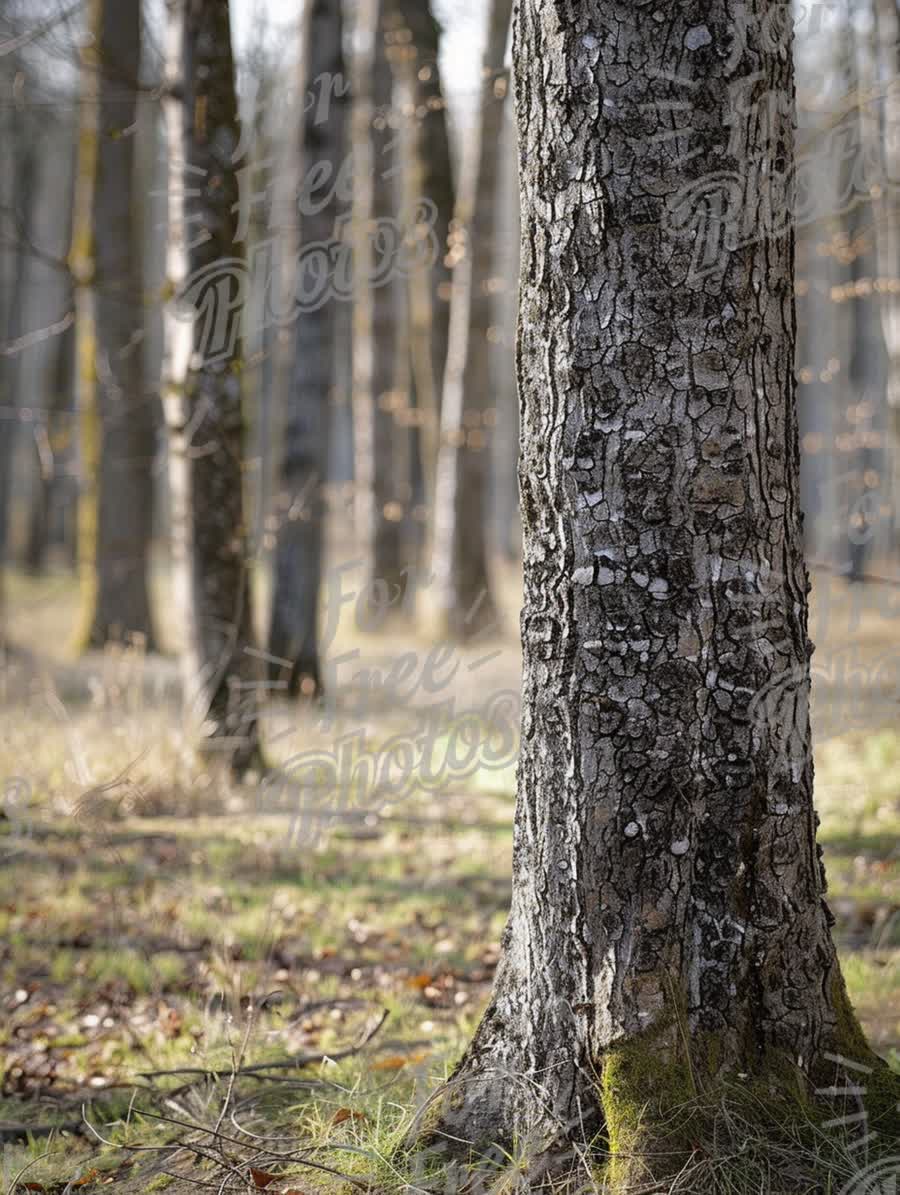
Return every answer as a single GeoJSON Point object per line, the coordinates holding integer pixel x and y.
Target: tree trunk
{"type": "Point", "coordinates": [201, 386]}
{"type": "Point", "coordinates": [54, 446]}
{"type": "Point", "coordinates": [507, 526]}
{"type": "Point", "coordinates": [461, 503]}
{"type": "Point", "coordinates": [117, 424]}
{"type": "Point", "coordinates": [668, 931]}
{"type": "Point", "coordinates": [866, 375]}
{"type": "Point", "coordinates": [19, 229]}
{"type": "Point", "coordinates": [887, 232]}
{"type": "Point", "coordinates": [301, 504]}
{"type": "Point", "coordinates": [428, 174]}
{"type": "Point", "coordinates": [381, 442]}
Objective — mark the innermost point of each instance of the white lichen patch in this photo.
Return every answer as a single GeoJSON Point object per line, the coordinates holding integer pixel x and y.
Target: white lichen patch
{"type": "Point", "coordinates": [696, 37]}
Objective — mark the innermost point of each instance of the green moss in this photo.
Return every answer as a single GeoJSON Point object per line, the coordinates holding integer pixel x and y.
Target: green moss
{"type": "Point", "coordinates": [159, 1183]}
{"type": "Point", "coordinates": [649, 1086]}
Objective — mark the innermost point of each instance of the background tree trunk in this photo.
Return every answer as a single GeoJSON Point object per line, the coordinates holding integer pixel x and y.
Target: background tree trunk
{"type": "Point", "coordinates": [17, 226]}
{"type": "Point", "coordinates": [428, 174]}
{"type": "Point", "coordinates": [461, 504]}
{"type": "Point", "coordinates": [117, 423]}
{"type": "Point", "coordinates": [668, 929]}
{"type": "Point", "coordinates": [507, 524]}
{"type": "Point", "coordinates": [381, 442]}
{"type": "Point", "coordinates": [887, 230]}
{"type": "Point", "coordinates": [301, 504]}
{"type": "Point", "coordinates": [201, 388]}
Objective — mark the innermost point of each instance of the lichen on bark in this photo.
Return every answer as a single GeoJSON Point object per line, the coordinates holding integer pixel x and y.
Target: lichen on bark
{"type": "Point", "coordinates": [668, 892]}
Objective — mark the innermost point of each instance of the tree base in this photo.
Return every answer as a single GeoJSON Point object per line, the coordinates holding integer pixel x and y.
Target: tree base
{"type": "Point", "coordinates": [743, 1136]}
{"type": "Point", "coordinates": [650, 1118]}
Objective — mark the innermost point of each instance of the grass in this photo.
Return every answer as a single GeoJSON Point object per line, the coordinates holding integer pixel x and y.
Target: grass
{"type": "Point", "coordinates": [152, 918]}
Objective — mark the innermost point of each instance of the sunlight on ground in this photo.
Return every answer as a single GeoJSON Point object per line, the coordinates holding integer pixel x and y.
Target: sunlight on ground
{"type": "Point", "coordinates": [147, 907]}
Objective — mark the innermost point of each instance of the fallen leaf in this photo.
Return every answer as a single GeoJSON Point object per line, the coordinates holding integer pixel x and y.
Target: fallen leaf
{"type": "Point", "coordinates": [261, 1179]}
{"type": "Point", "coordinates": [394, 1062]}
{"type": "Point", "coordinates": [343, 1114]}
{"type": "Point", "coordinates": [86, 1178]}
{"type": "Point", "coordinates": [419, 981]}
{"type": "Point", "coordinates": [34, 1186]}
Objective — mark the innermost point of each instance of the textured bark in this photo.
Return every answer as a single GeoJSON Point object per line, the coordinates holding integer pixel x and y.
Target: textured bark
{"type": "Point", "coordinates": [382, 466]}
{"type": "Point", "coordinates": [301, 501]}
{"type": "Point", "coordinates": [201, 386]}
{"type": "Point", "coordinates": [461, 516]}
{"type": "Point", "coordinates": [117, 422]}
{"type": "Point", "coordinates": [667, 912]}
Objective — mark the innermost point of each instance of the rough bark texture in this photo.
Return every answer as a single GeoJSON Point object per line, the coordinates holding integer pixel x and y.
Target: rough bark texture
{"type": "Point", "coordinates": [461, 514]}
{"type": "Point", "coordinates": [117, 421]}
{"type": "Point", "coordinates": [201, 387]}
{"type": "Point", "coordinates": [668, 927]}
{"type": "Point", "coordinates": [301, 501]}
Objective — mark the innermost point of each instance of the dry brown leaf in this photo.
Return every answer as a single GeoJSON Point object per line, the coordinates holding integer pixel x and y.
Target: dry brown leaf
{"type": "Point", "coordinates": [343, 1114]}
{"type": "Point", "coordinates": [420, 981]}
{"type": "Point", "coordinates": [393, 1062]}
{"type": "Point", "coordinates": [261, 1179]}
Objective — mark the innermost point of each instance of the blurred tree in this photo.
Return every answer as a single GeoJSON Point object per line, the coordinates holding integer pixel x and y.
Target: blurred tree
{"type": "Point", "coordinates": [50, 503]}
{"type": "Point", "coordinates": [201, 384]}
{"type": "Point", "coordinates": [380, 422]}
{"type": "Point", "coordinates": [866, 373]}
{"type": "Point", "coordinates": [507, 525]}
{"type": "Point", "coordinates": [461, 502]}
{"type": "Point", "coordinates": [118, 429]}
{"type": "Point", "coordinates": [17, 235]}
{"type": "Point", "coordinates": [53, 451]}
{"type": "Point", "coordinates": [300, 504]}
{"type": "Point", "coordinates": [887, 226]}
{"type": "Point", "coordinates": [427, 174]}
{"type": "Point", "coordinates": [668, 929]}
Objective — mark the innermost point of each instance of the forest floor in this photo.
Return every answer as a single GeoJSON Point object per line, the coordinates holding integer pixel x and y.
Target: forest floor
{"type": "Point", "coordinates": [162, 931]}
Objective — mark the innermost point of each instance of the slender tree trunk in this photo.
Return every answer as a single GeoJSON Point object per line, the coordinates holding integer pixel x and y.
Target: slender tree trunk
{"type": "Point", "coordinates": [866, 375]}
{"type": "Point", "coordinates": [507, 526]}
{"type": "Point", "coordinates": [428, 175]}
{"type": "Point", "coordinates": [668, 932]}
{"type": "Point", "coordinates": [381, 441]}
{"type": "Point", "coordinates": [887, 231]}
{"type": "Point", "coordinates": [201, 387]}
{"type": "Point", "coordinates": [55, 440]}
{"type": "Point", "coordinates": [461, 504]}
{"type": "Point", "coordinates": [117, 424]}
{"type": "Point", "coordinates": [19, 228]}
{"type": "Point", "coordinates": [301, 505]}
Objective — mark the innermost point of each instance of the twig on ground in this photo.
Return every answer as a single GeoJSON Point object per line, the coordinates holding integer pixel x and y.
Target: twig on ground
{"type": "Point", "coordinates": [299, 1060]}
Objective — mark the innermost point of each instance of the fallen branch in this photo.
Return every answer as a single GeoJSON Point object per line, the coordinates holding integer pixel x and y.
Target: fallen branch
{"type": "Point", "coordinates": [299, 1060]}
